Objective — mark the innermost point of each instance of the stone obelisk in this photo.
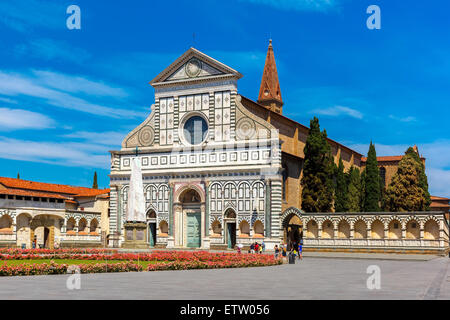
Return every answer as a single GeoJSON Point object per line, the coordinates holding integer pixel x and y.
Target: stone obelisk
{"type": "Point", "coordinates": [136, 201]}
{"type": "Point", "coordinates": [135, 226]}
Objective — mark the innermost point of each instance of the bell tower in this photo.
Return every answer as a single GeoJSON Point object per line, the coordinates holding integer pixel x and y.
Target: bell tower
{"type": "Point", "coordinates": [269, 92]}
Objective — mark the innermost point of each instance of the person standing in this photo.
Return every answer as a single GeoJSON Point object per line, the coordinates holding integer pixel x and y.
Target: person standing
{"type": "Point", "coordinates": [260, 249]}
{"type": "Point", "coordinates": [300, 249]}
{"type": "Point", "coordinates": [283, 252]}
{"type": "Point", "coordinates": [256, 247]}
{"type": "Point", "coordinates": [252, 248]}
{"type": "Point", "coordinates": [277, 251]}
{"type": "Point", "coordinates": [263, 246]}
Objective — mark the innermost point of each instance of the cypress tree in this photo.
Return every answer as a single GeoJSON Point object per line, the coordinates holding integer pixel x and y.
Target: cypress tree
{"type": "Point", "coordinates": [18, 175]}
{"type": "Point", "coordinates": [423, 180]}
{"type": "Point", "coordinates": [405, 193]}
{"type": "Point", "coordinates": [354, 190]}
{"type": "Point", "coordinates": [317, 180]}
{"type": "Point", "coordinates": [372, 194]}
{"type": "Point", "coordinates": [95, 184]}
{"type": "Point", "coordinates": [362, 191]}
{"type": "Point", "coordinates": [341, 192]}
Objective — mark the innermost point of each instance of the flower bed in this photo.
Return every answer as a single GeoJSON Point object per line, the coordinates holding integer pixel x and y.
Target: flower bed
{"type": "Point", "coordinates": [54, 268]}
{"type": "Point", "coordinates": [17, 251]}
{"type": "Point", "coordinates": [160, 260]}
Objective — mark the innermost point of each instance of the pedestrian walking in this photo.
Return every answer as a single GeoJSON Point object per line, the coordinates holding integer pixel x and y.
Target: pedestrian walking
{"type": "Point", "coordinates": [277, 251]}
{"type": "Point", "coordinates": [263, 246]}
{"type": "Point", "coordinates": [300, 249]}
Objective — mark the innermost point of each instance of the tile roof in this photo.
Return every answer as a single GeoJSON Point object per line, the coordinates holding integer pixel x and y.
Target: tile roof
{"type": "Point", "coordinates": [386, 158]}
{"type": "Point", "coordinates": [27, 193]}
{"type": "Point", "coordinates": [439, 198]}
{"type": "Point", "coordinates": [50, 188]}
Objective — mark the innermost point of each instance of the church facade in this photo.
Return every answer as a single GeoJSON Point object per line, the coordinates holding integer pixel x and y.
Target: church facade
{"type": "Point", "coordinates": [220, 169]}
{"type": "Point", "coordinates": [210, 167]}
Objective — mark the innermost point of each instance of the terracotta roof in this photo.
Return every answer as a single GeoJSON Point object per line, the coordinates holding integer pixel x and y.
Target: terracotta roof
{"type": "Point", "coordinates": [51, 188]}
{"type": "Point", "coordinates": [27, 193]}
{"type": "Point", "coordinates": [439, 198]}
{"type": "Point", "coordinates": [439, 205]}
{"type": "Point", "coordinates": [270, 86]}
{"type": "Point", "coordinates": [387, 158]}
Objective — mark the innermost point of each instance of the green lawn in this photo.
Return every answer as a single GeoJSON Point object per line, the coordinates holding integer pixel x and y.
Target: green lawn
{"type": "Point", "coordinates": [72, 261]}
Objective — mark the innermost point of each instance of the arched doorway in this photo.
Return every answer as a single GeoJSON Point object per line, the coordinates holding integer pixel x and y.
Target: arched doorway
{"type": "Point", "coordinates": [230, 222]}
{"type": "Point", "coordinates": [46, 237]}
{"type": "Point", "coordinates": [190, 201]}
{"type": "Point", "coordinates": [151, 222]}
{"type": "Point", "coordinates": [293, 228]}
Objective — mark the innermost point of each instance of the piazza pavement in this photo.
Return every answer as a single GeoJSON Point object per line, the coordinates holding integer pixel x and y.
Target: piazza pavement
{"type": "Point", "coordinates": [317, 276]}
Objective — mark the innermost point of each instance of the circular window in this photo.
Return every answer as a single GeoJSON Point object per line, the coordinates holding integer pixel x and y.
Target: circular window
{"type": "Point", "coordinates": [195, 130]}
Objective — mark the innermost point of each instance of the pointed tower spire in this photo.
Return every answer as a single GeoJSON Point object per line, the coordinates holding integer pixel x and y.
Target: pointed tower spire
{"type": "Point", "coordinates": [270, 93]}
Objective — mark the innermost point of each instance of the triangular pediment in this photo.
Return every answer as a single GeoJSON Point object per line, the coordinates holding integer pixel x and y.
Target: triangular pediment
{"type": "Point", "coordinates": [194, 65]}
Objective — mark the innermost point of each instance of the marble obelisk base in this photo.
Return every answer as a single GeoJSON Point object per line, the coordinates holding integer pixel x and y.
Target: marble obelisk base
{"type": "Point", "coordinates": [135, 235]}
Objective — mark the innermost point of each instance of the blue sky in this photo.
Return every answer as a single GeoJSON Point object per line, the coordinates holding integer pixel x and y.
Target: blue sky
{"type": "Point", "coordinates": [67, 97]}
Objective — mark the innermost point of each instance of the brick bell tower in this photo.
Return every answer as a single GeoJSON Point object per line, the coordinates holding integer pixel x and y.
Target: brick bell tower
{"type": "Point", "coordinates": [270, 93]}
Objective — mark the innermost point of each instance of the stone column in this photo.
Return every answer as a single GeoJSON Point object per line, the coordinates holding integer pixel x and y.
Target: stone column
{"type": "Point", "coordinates": [205, 243]}
{"type": "Point", "coordinates": [268, 231]}
{"type": "Point", "coordinates": [171, 209]}
{"type": "Point", "coordinates": [206, 224]}
{"type": "Point", "coordinates": [421, 236]}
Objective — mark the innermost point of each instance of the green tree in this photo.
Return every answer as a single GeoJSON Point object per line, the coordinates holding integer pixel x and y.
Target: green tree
{"type": "Point", "coordinates": [341, 192]}
{"type": "Point", "coordinates": [317, 180]}
{"type": "Point", "coordinates": [362, 191]}
{"type": "Point", "coordinates": [354, 190]}
{"type": "Point", "coordinates": [18, 175]}
{"type": "Point", "coordinates": [405, 193]}
{"type": "Point", "coordinates": [423, 180]}
{"type": "Point", "coordinates": [95, 184]}
{"type": "Point", "coordinates": [372, 194]}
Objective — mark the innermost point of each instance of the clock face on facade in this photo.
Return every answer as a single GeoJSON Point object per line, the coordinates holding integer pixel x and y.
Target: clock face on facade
{"type": "Point", "coordinates": [193, 68]}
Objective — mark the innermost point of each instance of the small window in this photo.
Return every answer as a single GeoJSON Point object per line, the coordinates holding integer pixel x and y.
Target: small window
{"type": "Point", "coordinates": [395, 225]}
{"type": "Point", "coordinates": [414, 225]}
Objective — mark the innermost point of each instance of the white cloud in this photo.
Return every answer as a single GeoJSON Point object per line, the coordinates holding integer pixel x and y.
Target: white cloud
{"type": "Point", "coordinates": [77, 84]}
{"type": "Point", "coordinates": [17, 119]}
{"type": "Point", "coordinates": [13, 84]}
{"type": "Point", "coordinates": [66, 154]}
{"type": "Point", "coordinates": [403, 119]}
{"type": "Point", "coordinates": [110, 138]}
{"type": "Point", "coordinates": [7, 100]}
{"type": "Point", "coordinates": [337, 111]}
{"type": "Point", "coordinates": [439, 181]}
{"type": "Point", "coordinates": [299, 5]}
{"type": "Point", "coordinates": [49, 49]}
